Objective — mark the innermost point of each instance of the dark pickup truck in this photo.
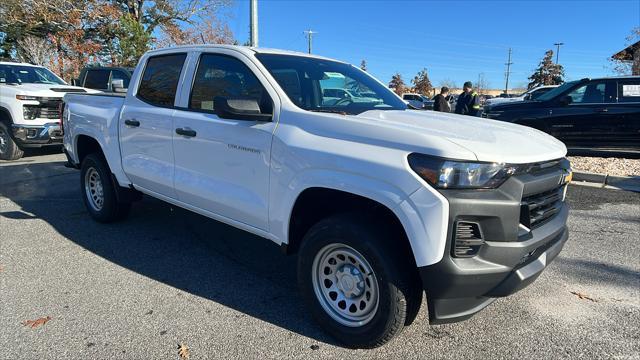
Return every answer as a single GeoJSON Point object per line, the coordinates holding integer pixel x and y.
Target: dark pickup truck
{"type": "Point", "coordinates": [587, 115]}
{"type": "Point", "coordinates": [102, 78]}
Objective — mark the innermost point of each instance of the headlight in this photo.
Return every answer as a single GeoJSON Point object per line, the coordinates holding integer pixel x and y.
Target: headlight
{"type": "Point", "coordinates": [27, 97]}
{"type": "Point", "coordinates": [451, 174]}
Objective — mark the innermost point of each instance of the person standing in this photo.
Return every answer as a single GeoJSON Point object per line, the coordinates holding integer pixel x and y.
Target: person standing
{"type": "Point", "coordinates": [469, 101]}
{"type": "Point", "coordinates": [440, 102]}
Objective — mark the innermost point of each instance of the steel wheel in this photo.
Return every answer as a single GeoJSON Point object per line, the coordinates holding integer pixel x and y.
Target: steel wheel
{"type": "Point", "coordinates": [93, 189]}
{"type": "Point", "coordinates": [345, 285]}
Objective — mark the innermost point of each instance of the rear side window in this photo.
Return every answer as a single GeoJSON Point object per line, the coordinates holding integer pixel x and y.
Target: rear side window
{"type": "Point", "coordinates": [160, 79]}
{"type": "Point", "coordinates": [225, 76]}
{"type": "Point", "coordinates": [629, 91]}
{"type": "Point", "coordinates": [97, 79]}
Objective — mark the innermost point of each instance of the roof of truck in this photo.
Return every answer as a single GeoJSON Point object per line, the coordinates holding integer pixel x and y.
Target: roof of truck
{"type": "Point", "coordinates": [247, 50]}
{"type": "Point", "coordinates": [17, 63]}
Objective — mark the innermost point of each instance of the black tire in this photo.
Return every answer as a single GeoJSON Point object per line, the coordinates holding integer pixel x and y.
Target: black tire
{"type": "Point", "coordinates": [111, 209]}
{"type": "Point", "coordinates": [398, 291]}
{"type": "Point", "coordinates": [9, 150]}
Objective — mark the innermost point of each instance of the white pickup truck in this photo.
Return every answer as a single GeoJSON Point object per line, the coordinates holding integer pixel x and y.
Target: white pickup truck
{"type": "Point", "coordinates": [30, 98]}
{"type": "Point", "coordinates": [379, 202]}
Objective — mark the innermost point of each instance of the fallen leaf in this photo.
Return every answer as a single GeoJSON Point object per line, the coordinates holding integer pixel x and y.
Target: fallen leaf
{"type": "Point", "coordinates": [315, 347]}
{"type": "Point", "coordinates": [36, 323]}
{"type": "Point", "coordinates": [183, 351]}
{"type": "Point", "coordinates": [582, 296]}
{"type": "Point", "coordinates": [1, 268]}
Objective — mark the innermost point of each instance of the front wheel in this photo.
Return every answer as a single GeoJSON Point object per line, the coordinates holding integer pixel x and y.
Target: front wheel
{"type": "Point", "coordinates": [9, 150]}
{"type": "Point", "coordinates": [356, 281]}
{"type": "Point", "coordinates": [98, 192]}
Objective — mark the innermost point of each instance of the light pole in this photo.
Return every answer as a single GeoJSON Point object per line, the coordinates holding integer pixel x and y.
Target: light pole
{"type": "Point", "coordinates": [310, 38]}
{"type": "Point", "coordinates": [253, 41]}
{"type": "Point", "coordinates": [558, 44]}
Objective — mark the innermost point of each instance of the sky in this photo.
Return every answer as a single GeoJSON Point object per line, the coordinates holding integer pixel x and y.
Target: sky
{"type": "Point", "coordinates": [454, 40]}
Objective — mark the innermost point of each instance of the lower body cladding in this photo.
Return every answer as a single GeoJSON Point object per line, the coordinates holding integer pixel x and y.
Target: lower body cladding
{"type": "Point", "coordinates": [499, 241]}
{"type": "Point", "coordinates": [29, 136]}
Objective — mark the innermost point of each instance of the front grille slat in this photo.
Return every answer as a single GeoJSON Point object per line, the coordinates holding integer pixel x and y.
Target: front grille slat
{"type": "Point", "coordinates": [539, 208]}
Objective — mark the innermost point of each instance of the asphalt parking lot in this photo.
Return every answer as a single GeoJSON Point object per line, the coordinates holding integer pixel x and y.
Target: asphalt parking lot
{"type": "Point", "coordinates": [139, 288]}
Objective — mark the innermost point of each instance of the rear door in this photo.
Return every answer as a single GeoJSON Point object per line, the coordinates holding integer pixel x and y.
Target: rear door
{"type": "Point", "coordinates": [222, 165]}
{"type": "Point", "coordinates": [627, 113]}
{"type": "Point", "coordinates": [146, 125]}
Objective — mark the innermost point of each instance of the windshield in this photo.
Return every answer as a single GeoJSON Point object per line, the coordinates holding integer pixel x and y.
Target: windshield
{"type": "Point", "coordinates": [20, 74]}
{"type": "Point", "coordinates": [328, 86]}
{"type": "Point", "coordinates": [557, 91]}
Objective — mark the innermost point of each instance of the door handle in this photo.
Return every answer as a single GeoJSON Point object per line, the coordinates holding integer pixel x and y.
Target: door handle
{"type": "Point", "coordinates": [562, 125]}
{"type": "Point", "coordinates": [602, 110]}
{"type": "Point", "coordinates": [186, 132]}
{"type": "Point", "coordinates": [132, 122]}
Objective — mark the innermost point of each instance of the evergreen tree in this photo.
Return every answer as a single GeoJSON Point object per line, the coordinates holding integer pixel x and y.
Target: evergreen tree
{"type": "Point", "coordinates": [397, 84]}
{"type": "Point", "coordinates": [421, 83]}
{"type": "Point", "coordinates": [547, 73]}
{"type": "Point", "coordinates": [363, 65]}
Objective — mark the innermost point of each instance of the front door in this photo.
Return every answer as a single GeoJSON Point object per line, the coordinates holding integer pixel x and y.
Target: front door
{"type": "Point", "coordinates": [146, 126]}
{"type": "Point", "coordinates": [221, 165]}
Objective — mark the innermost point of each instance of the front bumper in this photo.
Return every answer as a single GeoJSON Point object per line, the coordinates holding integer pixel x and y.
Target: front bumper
{"type": "Point", "coordinates": [37, 135]}
{"type": "Point", "coordinates": [511, 257]}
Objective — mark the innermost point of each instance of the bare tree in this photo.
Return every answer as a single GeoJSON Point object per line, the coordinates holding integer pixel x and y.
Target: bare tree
{"type": "Point", "coordinates": [35, 51]}
{"type": "Point", "coordinates": [483, 84]}
{"type": "Point", "coordinates": [448, 83]}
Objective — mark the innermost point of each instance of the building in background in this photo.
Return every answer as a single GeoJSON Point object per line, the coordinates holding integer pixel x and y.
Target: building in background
{"type": "Point", "coordinates": [630, 55]}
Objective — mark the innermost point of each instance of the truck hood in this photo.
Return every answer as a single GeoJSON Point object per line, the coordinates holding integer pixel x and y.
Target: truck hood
{"type": "Point", "coordinates": [47, 90]}
{"type": "Point", "coordinates": [489, 140]}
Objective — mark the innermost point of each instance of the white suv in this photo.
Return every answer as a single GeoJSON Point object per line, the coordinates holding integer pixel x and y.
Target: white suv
{"type": "Point", "coordinates": [30, 98]}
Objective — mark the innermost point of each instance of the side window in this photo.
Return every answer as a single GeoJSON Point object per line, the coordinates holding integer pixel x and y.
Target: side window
{"type": "Point", "coordinates": [629, 91]}
{"type": "Point", "coordinates": [592, 93]}
{"type": "Point", "coordinates": [119, 75]}
{"type": "Point", "coordinates": [220, 75]}
{"type": "Point", "coordinates": [160, 79]}
{"type": "Point", "coordinates": [97, 79]}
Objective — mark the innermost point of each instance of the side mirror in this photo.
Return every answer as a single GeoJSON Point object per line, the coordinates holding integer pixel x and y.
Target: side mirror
{"type": "Point", "coordinates": [117, 86]}
{"type": "Point", "coordinates": [527, 97]}
{"type": "Point", "coordinates": [566, 100]}
{"type": "Point", "coordinates": [239, 109]}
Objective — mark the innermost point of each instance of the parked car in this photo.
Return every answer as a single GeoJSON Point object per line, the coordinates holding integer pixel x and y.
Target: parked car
{"type": "Point", "coordinates": [333, 96]}
{"type": "Point", "coordinates": [30, 98]}
{"type": "Point", "coordinates": [532, 94]}
{"type": "Point", "coordinates": [418, 101]}
{"type": "Point", "coordinates": [588, 114]}
{"type": "Point", "coordinates": [379, 202]}
{"type": "Point", "coordinates": [102, 78]}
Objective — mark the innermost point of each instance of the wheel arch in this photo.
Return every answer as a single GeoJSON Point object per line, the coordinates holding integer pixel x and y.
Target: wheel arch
{"type": "Point", "coordinates": [326, 201]}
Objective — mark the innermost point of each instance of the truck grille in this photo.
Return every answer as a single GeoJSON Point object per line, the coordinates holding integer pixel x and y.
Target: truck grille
{"type": "Point", "coordinates": [48, 109]}
{"type": "Point", "coordinates": [540, 208]}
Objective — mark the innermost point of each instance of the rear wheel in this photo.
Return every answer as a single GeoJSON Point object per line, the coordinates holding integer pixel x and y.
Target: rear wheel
{"type": "Point", "coordinates": [356, 281]}
{"type": "Point", "coordinates": [98, 192]}
{"type": "Point", "coordinates": [9, 150]}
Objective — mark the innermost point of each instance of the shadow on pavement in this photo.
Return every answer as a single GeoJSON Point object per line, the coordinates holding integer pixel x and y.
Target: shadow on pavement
{"type": "Point", "coordinates": [178, 248]}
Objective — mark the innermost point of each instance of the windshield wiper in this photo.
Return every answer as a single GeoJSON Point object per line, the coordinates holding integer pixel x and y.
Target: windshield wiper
{"type": "Point", "coordinates": [329, 111]}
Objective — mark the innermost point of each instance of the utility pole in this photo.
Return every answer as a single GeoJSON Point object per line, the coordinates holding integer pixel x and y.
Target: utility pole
{"type": "Point", "coordinates": [558, 44]}
{"type": "Point", "coordinates": [310, 38]}
{"type": "Point", "coordinates": [253, 41]}
{"type": "Point", "coordinates": [508, 63]}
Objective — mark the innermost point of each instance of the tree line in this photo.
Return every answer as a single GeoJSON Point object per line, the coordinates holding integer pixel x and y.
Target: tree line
{"type": "Point", "coordinates": [66, 35]}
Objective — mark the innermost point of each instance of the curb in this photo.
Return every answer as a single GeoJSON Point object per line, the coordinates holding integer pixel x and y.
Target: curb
{"type": "Point", "coordinates": [628, 183]}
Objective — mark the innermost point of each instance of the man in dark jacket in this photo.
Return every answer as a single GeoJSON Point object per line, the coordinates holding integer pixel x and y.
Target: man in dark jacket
{"type": "Point", "coordinates": [440, 102]}
{"type": "Point", "coordinates": [469, 101]}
